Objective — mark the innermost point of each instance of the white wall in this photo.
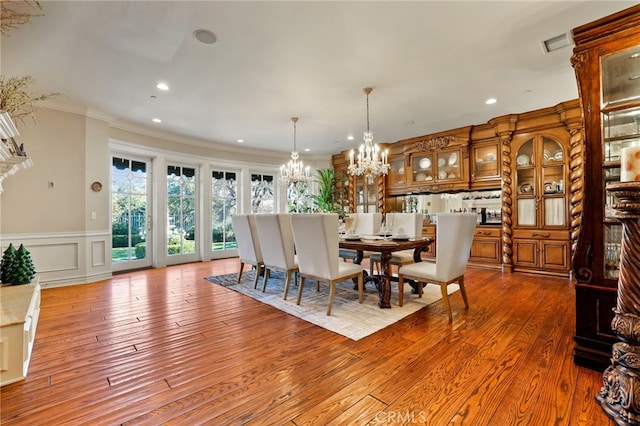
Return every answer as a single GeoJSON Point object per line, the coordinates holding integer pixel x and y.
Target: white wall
{"type": "Point", "coordinates": [49, 206]}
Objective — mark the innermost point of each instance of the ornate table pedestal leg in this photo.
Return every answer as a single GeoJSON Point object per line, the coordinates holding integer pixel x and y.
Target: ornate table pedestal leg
{"type": "Point", "coordinates": [385, 283]}
{"type": "Point", "coordinates": [620, 394]}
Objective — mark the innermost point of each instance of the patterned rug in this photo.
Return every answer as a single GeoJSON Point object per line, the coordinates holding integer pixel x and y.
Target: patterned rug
{"type": "Point", "coordinates": [348, 317]}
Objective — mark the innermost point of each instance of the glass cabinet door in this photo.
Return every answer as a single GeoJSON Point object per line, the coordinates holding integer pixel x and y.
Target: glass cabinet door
{"type": "Point", "coordinates": [553, 183]}
{"type": "Point", "coordinates": [526, 185]}
{"type": "Point", "coordinates": [366, 196]}
{"type": "Point", "coordinates": [448, 165]}
{"type": "Point", "coordinates": [396, 173]}
{"type": "Point", "coordinates": [620, 129]}
{"type": "Point", "coordinates": [485, 162]}
{"type": "Point", "coordinates": [423, 168]}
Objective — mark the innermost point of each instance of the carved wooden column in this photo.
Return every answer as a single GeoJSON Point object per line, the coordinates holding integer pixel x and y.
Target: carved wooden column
{"type": "Point", "coordinates": [620, 395]}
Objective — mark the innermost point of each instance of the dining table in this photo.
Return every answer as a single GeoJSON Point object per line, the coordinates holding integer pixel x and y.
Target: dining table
{"type": "Point", "coordinates": [385, 246]}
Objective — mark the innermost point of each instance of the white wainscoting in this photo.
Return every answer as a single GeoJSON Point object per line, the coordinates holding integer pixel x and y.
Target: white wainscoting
{"type": "Point", "coordinates": [66, 258]}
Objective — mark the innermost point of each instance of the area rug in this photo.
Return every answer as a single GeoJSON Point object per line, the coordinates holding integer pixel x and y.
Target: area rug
{"type": "Point", "coordinates": [348, 317]}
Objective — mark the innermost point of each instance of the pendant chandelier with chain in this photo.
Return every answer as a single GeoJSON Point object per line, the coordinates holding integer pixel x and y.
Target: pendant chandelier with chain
{"type": "Point", "coordinates": [371, 162]}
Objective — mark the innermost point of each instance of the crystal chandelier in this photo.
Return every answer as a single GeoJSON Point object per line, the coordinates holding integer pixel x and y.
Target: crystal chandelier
{"type": "Point", "coordinates": [294, 171]}
{"type": "Point", "coordinates": [371, 162]}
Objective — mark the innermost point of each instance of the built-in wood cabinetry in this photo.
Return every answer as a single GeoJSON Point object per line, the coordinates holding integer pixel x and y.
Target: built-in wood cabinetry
{"type": "Point", "coordinates": [485, 161]}
{"type": "Point", "coordinates": [534, 158]}
{"type": "Point", "coordinates": [540, 220]}
{"type": "Point", "coordinates": [437, 163]}
{"type": "Point", "coordinates": [606, 60]}
{"type": "Point", "coordinates": [362, 196]}
{"type": "Point", "coordinates": [429, 230]}
{"type": "Point", "coordinates": [486, 248]}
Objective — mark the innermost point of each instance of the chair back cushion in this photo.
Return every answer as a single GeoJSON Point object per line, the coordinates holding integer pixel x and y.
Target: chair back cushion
{"type": "Point", "coordinates": [454, 235]}
{"type": "Point", "coordinates": [316, 237]}
{"type": "Point", "coordinates": [244, 229]}
{"type": "Point", "coordinates": [409, 223]}
{"type": "Point", "coordinates": [367, 223]}
{"type": "Point", "coordinates": [276, 240]}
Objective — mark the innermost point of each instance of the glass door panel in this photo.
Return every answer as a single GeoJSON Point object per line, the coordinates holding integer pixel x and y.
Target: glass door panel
{"type": "Point", "coordinates": [131, 247]}
{"type": "Point", "coordinates": [612, 246]}
{"type": "Point", "coordinates": [620, 74]}
{"type": "Point", "coordinates": [527, 212]}
{"type": "Point", "coordinates": [423, 168]}
{"type": "Point", "coordinates": [262, 193]}
{"type": "Point", "coordinates": [526, 185]}
{"type": "Point", "coordinates": [448, 165]}
{"type": "Point", "coordinates": [554, 212]}
{"type": "Point", "coordinates": [224, 192]}
{"type": "Point", "coordinates": [552, 152]}
{"type": "Point", "coordinates": [486, 163]}
{"type": "Point", "coordinates": [181, 210]}
{"type": "Point", "coordinates": [553, 180]}
{"type": "Point", "coordinates": [396, 173]}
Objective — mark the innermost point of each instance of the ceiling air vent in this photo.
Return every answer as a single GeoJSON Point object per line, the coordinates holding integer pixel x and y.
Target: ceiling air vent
{"type": "Point", "coordinates": [555, 43]}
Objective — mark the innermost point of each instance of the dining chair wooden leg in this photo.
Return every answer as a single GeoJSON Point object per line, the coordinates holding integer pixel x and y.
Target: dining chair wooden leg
{"type": "Point", "coordinates": [300, 289]}
{"type": "Point", "coordinates": [400, 290]}
{"type": "Point", "coordinates": [287, 283]}
{"type": "Point", "coordinates": [463, 292]}
{"type": "Point", "coordinates": [255, 279]}
{"type": "Point", "coordinates": [332, 295]}
{"type": "Point", "coordinates": [361, 287]}
{"type": "Point", "coordinates": [240, 273]}
{"type": "Point", "coordinates": [445, 299]}
{"type": "Point", "coordinates": [266, 278]}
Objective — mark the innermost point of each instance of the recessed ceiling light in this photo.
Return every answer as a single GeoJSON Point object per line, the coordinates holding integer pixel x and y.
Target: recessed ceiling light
{"type": "Point", "coordinates": [205, 36]}
{"type": "Point", "coordinates": [307, 149]}
{"type": "Point", "coordinates": [156, 120]}
{"type": "Point", "coordinates": [349, 138]}
{"type": "Point", "coordinates": [240, 141]}
{"type": "Point", "coordinates": [491, 101]}
{"type": "Point", "coordinates": [162, 86]}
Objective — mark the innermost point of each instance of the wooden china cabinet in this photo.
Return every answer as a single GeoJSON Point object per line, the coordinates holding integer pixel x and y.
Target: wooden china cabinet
{"type": "Point", "coordinates": [437, 162]}
{"type": "Point", "coordinates": [540, 210]}
{"type": "Point", "coordinates": [362, 196]}
{"type": "Point", "coordinates": [485, 161]}
{"type": "Point", "coordinates": [606, 61]}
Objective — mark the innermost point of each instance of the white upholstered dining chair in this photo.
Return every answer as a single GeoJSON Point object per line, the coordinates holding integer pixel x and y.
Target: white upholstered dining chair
{"type": "Point", "coordinates": [409, 224]}
{"type": "Point", "coordinates": [362, 224]}
{"type": "Point", "coordinates": [277, 246]}
{"type": "Point", "coordinates": [316, 238]}
{"type": "Point", "coordinates": [244, 229]}
{"type": "Point", "coordinates": [454, 235]}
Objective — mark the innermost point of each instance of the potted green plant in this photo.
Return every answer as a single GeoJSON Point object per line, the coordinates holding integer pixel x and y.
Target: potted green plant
{"type": "Point", "coordinates": [330, 196]}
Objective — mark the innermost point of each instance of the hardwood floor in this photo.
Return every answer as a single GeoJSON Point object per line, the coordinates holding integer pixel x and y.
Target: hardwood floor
{"type": "Point", "coordinates": [166, 346]}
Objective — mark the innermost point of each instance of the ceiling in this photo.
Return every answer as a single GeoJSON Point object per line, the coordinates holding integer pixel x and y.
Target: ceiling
{"type": "Point", "coordinates": [431, 65]}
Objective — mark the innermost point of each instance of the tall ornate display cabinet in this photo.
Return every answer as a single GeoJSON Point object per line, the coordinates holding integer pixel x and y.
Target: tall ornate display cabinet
{"type": "Point", "coordinates": [362, 197]}
{"type": "Point", "coordinates": [537, 170]}
{"type": "Point", "coordinates": [606, 60]}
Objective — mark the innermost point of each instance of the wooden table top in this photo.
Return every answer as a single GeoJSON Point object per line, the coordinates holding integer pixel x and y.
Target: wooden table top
{"type": "Point", "coordinates": [384, 244]}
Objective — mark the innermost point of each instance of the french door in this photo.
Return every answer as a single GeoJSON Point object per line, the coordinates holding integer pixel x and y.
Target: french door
{"type": "Point", "coordinates": [130, 200]}
{"type": "Point", "coordinates": [182, 201]}
{"type": "Point", "coordinates": [224, 202]}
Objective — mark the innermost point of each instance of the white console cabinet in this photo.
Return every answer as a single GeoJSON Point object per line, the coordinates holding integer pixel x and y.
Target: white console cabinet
{"type": "Point", "coordinates": [19, 312]}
